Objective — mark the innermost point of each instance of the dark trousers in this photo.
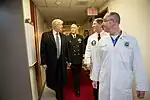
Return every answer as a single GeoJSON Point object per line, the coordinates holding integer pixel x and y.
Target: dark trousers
{"type": "Point", "coordinates": [59, 81]}
{"type": "Point", "coordinates": [76, 68]}
{"type": "Point", "coordinates": [59, 93]}
{"type": "Point", "coordinates": [95, 92]}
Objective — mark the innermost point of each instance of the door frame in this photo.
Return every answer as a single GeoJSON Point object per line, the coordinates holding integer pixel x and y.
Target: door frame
{"type": "Point", "coordinates": [37, 64]}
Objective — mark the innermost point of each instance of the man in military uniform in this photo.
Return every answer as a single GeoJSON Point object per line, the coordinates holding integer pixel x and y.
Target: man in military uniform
{"type": "Point", "coordinates": [76, 46]}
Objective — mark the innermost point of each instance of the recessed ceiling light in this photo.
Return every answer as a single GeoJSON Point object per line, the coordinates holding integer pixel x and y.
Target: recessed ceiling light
{"type": "Point", "coordinates": [58, 2]}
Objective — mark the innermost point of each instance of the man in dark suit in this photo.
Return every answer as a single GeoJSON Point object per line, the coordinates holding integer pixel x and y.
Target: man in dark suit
{"type": "Point", "coordinates": [86, 35]}
{"type": "Point", "coordinates": [54, 55]}
{"type": "Point", "coordinates": [77, 50]}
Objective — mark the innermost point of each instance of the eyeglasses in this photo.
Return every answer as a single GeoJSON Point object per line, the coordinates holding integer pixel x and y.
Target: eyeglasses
{"type": "Point", "coordinates": [106, 20]}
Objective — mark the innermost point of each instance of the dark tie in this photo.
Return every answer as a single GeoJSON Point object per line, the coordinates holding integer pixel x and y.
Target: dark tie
{"type": "Point", "coordinates": [99, 37]}
{"type": "Point", "coordinates": [57, 45]}
{"type": "Point", "coordinates": [73, 35]}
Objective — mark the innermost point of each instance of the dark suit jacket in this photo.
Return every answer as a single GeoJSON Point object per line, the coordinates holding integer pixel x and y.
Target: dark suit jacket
{"type": "Point", "coordinates": [55, 75]}
{"type": "Point", "coordinates": [85, 41]}
{"type": "Point", "coordinates": [76, 46]}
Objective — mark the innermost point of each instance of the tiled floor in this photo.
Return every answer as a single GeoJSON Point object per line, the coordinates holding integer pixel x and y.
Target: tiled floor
{"type": "Point", "coordinates": [48, 94]}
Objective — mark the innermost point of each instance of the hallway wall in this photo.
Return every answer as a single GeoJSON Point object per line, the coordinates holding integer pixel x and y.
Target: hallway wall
{"type": "Point", "coordinates": [87, 25]}
{"type": "Point", "coordinates": [135, 20]}
{"type": "Point", "coordinates": [14, 72]}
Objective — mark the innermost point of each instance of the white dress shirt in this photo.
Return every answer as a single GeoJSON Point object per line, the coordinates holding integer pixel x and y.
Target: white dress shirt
{"type": "Point", "coordinates": [74, 35]}
{"type": "Point", "coordinates": [54, 34]}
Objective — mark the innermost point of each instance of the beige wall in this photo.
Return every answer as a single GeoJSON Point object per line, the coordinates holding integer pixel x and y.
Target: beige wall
{"type": "Point", "coordinates": [135, 20]}
{"type": "Point", "coordinates": [41, 24]}
{"type": "Point", "coordinates": [87, 26]}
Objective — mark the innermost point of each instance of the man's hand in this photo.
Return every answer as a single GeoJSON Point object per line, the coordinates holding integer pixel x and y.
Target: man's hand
{"type": "Point", "coordinates": [44, 66]}
{"type": "Point", "coordinates": [69, 65]}
{"type": "Point", "coordinates": [94, 84]}
{"type": "Point", "coordinates": [140, 94]}
{"type": "Point", "coordinates": [89, 67]}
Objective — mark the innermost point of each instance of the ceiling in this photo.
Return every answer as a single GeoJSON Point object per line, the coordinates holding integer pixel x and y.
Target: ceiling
{"type": "Point", "coordinates": [67, 10]}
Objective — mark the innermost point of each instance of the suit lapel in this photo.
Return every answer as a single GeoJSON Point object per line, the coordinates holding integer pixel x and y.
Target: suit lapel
{"type": "Point", "coordinates": [51, 37]}
{"type": "Point", "coordinates": [62, 41]}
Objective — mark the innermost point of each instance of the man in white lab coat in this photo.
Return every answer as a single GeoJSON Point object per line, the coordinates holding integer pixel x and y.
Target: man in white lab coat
{"type": "Point", "coordinates": [117, 59]}
{"type": "Point", "coordinates": [92, 41]}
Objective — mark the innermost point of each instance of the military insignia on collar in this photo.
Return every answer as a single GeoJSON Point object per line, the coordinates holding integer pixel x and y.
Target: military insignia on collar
{"type": "Point", "coordinates": [93, 43]}
{"type": "Point", "coordinates": [126, 44]}
{"type": "Point", "coordinates": [79, 40]}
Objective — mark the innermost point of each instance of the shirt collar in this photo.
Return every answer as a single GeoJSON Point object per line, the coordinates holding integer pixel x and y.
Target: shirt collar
{"type": "Point", "coordinates": [54, 32]}
{"type": "Point", "coordinates": [124, 34]}
{"type": "Point", "coordinates": [73, 34]}
{"type": "Point", "coordinates": [101, 33]}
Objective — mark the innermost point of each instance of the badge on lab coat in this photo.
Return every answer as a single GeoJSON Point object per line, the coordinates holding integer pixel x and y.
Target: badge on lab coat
{"type": "Point", "coordinates": [93, 43]}
{"type": "Point", "coordinates": [126, 44]}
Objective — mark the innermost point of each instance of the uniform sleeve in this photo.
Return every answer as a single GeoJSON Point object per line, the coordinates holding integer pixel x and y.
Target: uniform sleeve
{"type": "Point", "coordinates": [88, 52]}
{"type": "Point", "coordinates": [139, 70]}
{"type": "Point", "coordinates": [96, 63]}
{"type": "Point", "coordinates": [43, 50]}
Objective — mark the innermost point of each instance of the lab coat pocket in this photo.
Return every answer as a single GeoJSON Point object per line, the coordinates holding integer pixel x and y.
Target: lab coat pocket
{"type": "Point", "coordinates": [128, 94]}
{"type": "Point", "coordinates": [103, 49]}
{"type": "Point", "coordinates": [126, 54]}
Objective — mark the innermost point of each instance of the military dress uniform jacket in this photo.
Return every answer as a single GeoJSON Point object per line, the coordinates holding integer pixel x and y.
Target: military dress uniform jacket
{"type": "Point", "coordinates": [76, 46]}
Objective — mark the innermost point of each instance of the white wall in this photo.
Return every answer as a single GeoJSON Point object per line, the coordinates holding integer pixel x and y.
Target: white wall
{"type": "Point", "coordinates": [135, 20]}
{"type": "Point", "coordinates": [27, 14]}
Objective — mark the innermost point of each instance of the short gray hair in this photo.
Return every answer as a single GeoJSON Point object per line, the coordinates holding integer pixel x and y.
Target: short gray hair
{"type": "Point", "coordinates": [56, 22]}
{"type": "Point", "coordinates": [116, 16]}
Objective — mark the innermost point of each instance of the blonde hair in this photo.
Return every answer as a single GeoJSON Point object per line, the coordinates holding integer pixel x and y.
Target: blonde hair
{"type": "Point", "coordinates": [75, 26]}
{"type": "Point", "coordinates": [56, 22]}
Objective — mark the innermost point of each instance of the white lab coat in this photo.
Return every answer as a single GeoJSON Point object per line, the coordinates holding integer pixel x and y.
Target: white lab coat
{"type": "Point", "coordinates": [115, 67]}
{"type": "Point", "coordinates": [92, 42]}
